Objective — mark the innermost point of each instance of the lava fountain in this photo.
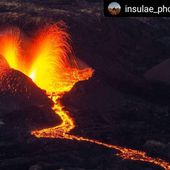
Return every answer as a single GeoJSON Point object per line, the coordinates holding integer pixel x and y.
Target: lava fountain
{"type": "Point", "coordinates": [49, 61]}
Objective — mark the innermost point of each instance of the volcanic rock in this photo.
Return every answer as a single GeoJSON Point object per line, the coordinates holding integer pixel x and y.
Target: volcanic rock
{"type": "Point", "coordinates": [155, 147]}
{"type": "Point", "coordinates": [93, 98]}
{"type": "Point", "coordinates": [1, 123]}
{"type": "Point", "coordinates": [35, 167]}
{"type": "Point", "coordinates": [168, 150]}
{"type": "Point", "coordinates": [93, 94]}
{"type": "Point", "coordinates": [160, 72]}
{"type": "Point", "coordinates": [22, 103]}
{"type": "Point", "coordinates": [21, 89]}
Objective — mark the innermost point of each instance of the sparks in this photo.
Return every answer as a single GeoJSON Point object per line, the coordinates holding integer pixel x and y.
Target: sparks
{"type": "Point", "coordinates": [54, 68]}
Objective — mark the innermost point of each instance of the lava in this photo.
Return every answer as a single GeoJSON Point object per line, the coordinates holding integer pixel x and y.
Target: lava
{"type": "Point", "coordinates": [10, 46]}
{"type": "Point", "coordinates": [52, 66]}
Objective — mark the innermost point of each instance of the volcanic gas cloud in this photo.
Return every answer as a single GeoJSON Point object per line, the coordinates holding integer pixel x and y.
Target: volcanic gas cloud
{"type": "Point", "coordinates": [48, 60]}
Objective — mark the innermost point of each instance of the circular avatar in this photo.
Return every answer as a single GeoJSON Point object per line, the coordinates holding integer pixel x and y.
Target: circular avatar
{"type": "Point", "coordinates": [114, 8]}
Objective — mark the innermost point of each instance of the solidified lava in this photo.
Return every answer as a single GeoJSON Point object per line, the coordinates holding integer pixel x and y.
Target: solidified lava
{"type": "Point", "coordinates": [53, 67]}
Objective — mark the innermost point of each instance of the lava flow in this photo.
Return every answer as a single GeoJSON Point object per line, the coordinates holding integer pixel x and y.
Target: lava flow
{"type": "Point", "coordinates": [53, 67]}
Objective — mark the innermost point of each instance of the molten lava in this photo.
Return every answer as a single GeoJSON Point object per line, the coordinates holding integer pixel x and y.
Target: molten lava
{"type": "Point", "coordinates": [53, 67]}
{"type": "Point", "coordinates": [10, 46]}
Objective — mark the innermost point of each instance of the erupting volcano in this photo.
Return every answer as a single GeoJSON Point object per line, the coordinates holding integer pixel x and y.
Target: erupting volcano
{"type": "Point", "coordinates": [49, 61]}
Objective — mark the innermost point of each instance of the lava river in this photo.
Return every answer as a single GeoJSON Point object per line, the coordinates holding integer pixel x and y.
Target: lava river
{"type": "Point", "coordinates": [49, 61]}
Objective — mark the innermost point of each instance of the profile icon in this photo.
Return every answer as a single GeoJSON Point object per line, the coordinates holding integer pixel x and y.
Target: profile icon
{"type": "Point", "coordinates": [114, 8]}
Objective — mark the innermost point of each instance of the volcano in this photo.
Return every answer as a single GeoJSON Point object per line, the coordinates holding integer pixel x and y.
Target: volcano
{"type": "Point", "coordinates": [53, 66]}
{"type": "Point", "coordinates": [21, 101]}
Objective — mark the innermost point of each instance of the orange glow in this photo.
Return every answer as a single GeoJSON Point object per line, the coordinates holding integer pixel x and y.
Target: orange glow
{"type": "Point", "coordinates": [10, 46]}
{"type": "Point", "coordinates": [53, 67]}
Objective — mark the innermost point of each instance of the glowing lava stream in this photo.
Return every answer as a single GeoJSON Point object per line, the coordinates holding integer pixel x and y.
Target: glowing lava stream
{"type": "Point", "coordinates": [62, 131]}
{"type": "Point", "coordinates": [53, 67]}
